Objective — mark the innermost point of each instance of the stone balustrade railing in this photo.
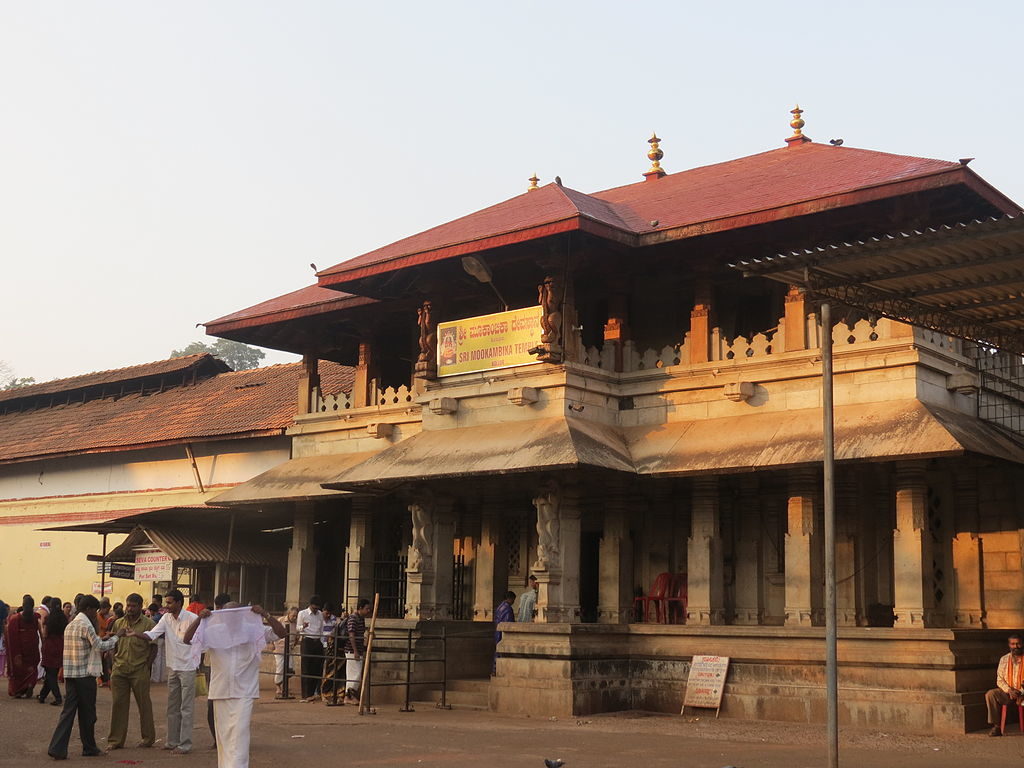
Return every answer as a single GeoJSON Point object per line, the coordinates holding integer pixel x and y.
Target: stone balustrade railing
{"type": "Point", "coordinates": [380, 399]}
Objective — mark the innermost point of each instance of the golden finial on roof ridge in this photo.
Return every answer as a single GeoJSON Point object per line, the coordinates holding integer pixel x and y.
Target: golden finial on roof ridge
{"type": "Point", "coordinates": [797, 124]}
{"type": "Point", "coordinates": [654, 155]}
{"type": "Point", "coordinates": [533, 182]}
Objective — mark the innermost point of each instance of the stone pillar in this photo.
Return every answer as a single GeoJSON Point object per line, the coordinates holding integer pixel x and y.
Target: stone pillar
{"type": "Point", "coordinates": [309, 379]}
{"type": "Point", "coordinates": [796, 320]}
{"type": "Point", "coordinates": [749, 561]}
{"type": "Point", "coordinates": [912, 545]}
{"type": "Point", "coordinates": [359, 578]}
{"type": "Point", "coordinates": [558, 554]}
{"type": "Point", "coordinates": [705, 584]}
{"type": "Point", "coordinates": [968, 596]}
{"type": "Point", "coordinates": [615, 564]}
{"type": "Point", "coordinates": [700, 323]}
{"type": "Point", "coordinates": [429, 568]}
{"type": "Point", "coordinates": [490, 580]}
{"type": "Point", "coordinates": [849, 610]}
{"type": "Point", "coordinates": [803, 558]}
{"type": "Point", "coordinates": [301, 582]}
{"type": "Point", "coordinates": [616, 330]}
{"type": "Point", "coordinates": [365, 373]}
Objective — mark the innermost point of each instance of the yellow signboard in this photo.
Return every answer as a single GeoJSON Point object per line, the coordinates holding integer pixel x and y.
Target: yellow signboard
{"type": "Point", "coordinates": [488, 342]}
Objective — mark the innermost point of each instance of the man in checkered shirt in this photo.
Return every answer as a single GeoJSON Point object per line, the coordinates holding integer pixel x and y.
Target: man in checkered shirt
{"type": "Point", "coordinates": [82, 665]}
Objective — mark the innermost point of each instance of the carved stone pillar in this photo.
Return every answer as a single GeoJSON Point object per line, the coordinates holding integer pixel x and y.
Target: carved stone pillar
{"type": "Point", "coordinates": [803, 555]}
{"type": "Point", "coordinates": [912, 545]}
{"type": "Point", "coordinates": [849, 610]}
{"type": "Point", "coordinates": [796, 320]}
{"type": "Point", "coordinates": [749, 560]}
{"type": "Point", "coordinates": [968, 596]}
{"type": "Point", "coordinates": [426, 362]}
{"type": "Point", "coordinates": [705, 584]}
{"type": "Point", "coordinates": [301, 581]}
{"type": "Point", "coordinates": [491, 566]}
{"type": "Point", "coordinates": [615, 563]}
{"type": "Point", "coordinates": [360, 553]}
{"type": "Point", "coordinates": [365, 373]}
{"type": "Point", "coordinates": [309, 380]}
{"type": "Point", "coordinates": [429, 568]}
{"type": "Point", "coordinates": [558, 554]}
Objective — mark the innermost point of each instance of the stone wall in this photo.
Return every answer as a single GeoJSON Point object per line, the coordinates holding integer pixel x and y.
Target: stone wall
{"type": "Point", "coordinates": [919, 680]}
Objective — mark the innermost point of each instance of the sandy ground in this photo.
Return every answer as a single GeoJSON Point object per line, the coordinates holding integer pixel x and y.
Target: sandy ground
{"type": "Point", "coordinates": [290, 733]}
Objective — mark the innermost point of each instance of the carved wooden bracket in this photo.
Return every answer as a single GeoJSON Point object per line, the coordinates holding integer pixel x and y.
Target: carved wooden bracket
{"type": "Point", "coordinates": [426, 362]}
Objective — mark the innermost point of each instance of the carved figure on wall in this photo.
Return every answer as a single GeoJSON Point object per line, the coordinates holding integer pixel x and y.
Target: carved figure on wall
{"type": "Point", "coordinates": [426, 362]}
{"type": "Point", "coordinates": [548, 529]}
{"type": "Point", "coordinates": [549, 296]}
{"type": "Point", "coordinates": [422, 532]}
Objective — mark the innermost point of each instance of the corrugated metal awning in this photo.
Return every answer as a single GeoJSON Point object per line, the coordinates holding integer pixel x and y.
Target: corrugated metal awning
{"type": "Point", "coordinates": [965, 280]}
{"type": "Point", "coordinates": [294, 480]}
{"type": "Point", "coordinates": [868, 431]}
{"type": "Point", "coordinates": [534, 445]}
{"type": "Point", "coordinates": [192, 548]}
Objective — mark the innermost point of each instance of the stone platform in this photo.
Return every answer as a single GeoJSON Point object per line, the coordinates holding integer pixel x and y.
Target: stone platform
{"type": "Point", "coordinates": [927, 680]}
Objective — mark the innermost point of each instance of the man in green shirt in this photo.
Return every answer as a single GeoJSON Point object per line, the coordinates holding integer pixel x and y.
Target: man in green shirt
{"type": "Point", "coordinates": [133, 663]}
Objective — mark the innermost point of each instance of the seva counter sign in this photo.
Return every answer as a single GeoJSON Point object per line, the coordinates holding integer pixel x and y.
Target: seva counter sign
{"type": "Point", "coordinates": [153, 565]}
{"type": "Point", "coordinates": [487, 342]}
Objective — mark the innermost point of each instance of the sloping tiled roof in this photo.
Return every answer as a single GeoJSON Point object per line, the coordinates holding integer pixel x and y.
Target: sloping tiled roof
{"type": "Point", "coordinates": [203, 363]}
{"type": "Point", "coordinates": [309, 300]}
{"type": "Point", "coordinates": [763, 182]}
{"type": "Point", "coordinates": [231, 404]}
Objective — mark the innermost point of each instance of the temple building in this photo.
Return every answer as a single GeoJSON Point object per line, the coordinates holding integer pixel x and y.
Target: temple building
{"type": "Point", "coordinates": [585, 388]}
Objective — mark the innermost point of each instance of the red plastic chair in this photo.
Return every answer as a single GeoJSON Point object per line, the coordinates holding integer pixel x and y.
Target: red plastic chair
{"type": "Point", "coordinates": [1020, 717]}
{"type": "Point", "coordinates": [675, 602]}
{"type": "Point", "coordinates": [660, 592]}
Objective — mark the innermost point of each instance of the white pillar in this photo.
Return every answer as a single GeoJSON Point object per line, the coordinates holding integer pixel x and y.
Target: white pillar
{"type": "Point", "coordinates": [490, 580]}
{"type": "Point", "coordinates": [912, 548]}
{"type": "Point", "coordinates": [749, 561]}
{"type": "Point", "coordinates": [803, 559]}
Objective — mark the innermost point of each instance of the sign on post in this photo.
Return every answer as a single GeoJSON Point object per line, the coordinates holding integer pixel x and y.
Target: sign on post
{"type": "Point", "coordinates": [487, 342]}
{"type": "Point", "coordinates": [153, 565]}
{"type": "Point", "coordinates": [122, 571]}
{"type": "Point", "coordinates": [104, 588]}
{"type": "Point", "coordinates": [706, 682]}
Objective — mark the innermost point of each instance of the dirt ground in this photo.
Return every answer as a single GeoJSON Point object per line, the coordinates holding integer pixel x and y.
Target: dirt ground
{"type": "Point", "coordinates": [290, 733]}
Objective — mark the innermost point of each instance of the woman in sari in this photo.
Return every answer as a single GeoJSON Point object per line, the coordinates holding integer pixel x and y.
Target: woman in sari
{"type": "Point", "coordinates": [23, 650]}
{"type": "Point", "coordinates": [53, 652]}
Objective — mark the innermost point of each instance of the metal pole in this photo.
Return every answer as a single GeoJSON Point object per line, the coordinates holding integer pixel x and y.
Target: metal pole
{"type": "Point", "coordinates": [103, 568]}
{"type": "Point", "coordinates": [828, 434]}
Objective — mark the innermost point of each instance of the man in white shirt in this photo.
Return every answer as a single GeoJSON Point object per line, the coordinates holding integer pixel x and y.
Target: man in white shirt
{"type": "Point", "coordinates": [311, 628]}
{"type": "Point", "coordinates": [181, 671]}
{"type": "Point", "coordinates": [234, 678]}
{"type": "Point", "coordinates": [1009, 684]}
{"type": "Point", "coordinates": [528, 602]}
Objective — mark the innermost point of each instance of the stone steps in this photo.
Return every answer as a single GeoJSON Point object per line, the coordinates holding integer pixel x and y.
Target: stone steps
{"type": "Point", "coordinates": [470, 694]}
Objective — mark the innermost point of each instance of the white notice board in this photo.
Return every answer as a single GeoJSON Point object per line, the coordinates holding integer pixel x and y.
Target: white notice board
{"type": "Point", "coordinates": [706, 682]}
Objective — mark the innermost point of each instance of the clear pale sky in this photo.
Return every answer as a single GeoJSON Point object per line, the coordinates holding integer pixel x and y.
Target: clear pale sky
{"type": "Point", "coordinates": [164, 164]}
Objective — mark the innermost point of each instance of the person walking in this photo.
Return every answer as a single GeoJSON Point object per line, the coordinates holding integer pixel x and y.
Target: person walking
{"type": "Point", "coordinates": [284, 649]}
{"type": "Point", "coordinates": [53, 651]}
{"type": "Point", "coordinates": [130, 676]}
{"type": "Point", "coordinates": [355, 648]}
{"type": "Point", "coordinates": [82, 665]}
{"type": "Point", "coordinates": [23, 650]}
{"type": "Point", "coordinates": [181, 675]}
{"type": "Point", "coordinates": [311, 627]}
{"type": "Point", "coordinates": [503, 613]}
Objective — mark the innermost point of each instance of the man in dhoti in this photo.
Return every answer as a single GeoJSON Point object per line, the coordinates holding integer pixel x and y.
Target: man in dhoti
{"type": "Point", "coordinates": [234, 638]}
{"type": "Point", "coordinates": [1009, 684]}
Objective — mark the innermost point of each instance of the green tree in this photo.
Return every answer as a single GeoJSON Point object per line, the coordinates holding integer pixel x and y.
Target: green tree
{"type": "Point", "coordinates": [9, 381]}
{"type": "Point", "coordinates": [239, 356]}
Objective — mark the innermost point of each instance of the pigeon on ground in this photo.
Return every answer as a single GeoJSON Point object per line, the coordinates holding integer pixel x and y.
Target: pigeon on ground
{"type": "Point", "coordinates": [554, 763]}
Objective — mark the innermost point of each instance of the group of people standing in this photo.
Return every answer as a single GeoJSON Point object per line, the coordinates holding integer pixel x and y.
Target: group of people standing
{"type": "Point", "coordinates": [71, 641]}
{"type": "Point", "coordinates": [326, 638]}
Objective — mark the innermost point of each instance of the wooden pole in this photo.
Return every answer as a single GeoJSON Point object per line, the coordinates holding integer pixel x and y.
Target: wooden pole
{"type": "Point", "coordinates": [366, 657]}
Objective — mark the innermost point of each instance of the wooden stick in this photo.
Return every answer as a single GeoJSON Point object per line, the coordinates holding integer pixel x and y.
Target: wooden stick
{"type": "Point", "coordinates": [366, 658]}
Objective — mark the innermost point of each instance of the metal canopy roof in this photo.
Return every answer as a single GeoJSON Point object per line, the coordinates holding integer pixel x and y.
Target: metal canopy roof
{"type": "Point", "coordinates": [965, 280]}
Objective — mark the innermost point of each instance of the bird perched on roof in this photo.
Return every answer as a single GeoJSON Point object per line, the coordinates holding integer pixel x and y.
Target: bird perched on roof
{"type": "Point", "coordinates": [554, 763]}
{"type": "Point", "coordinates": [836, 142]}
{"type": "Point", "coordinates": [558, 180]}
{"type": "Point", "coordinates": [311, 264]}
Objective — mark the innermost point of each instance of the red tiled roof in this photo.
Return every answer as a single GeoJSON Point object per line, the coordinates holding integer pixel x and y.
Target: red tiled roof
{"type": "Point", "coordinates": [310, 300]}
{"type": "Point", "coordinates": [768, 181]}
{"type": "Point", "coordinates": [203, 362]}
{"type": "Point", "coordinates": [231, 404]}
